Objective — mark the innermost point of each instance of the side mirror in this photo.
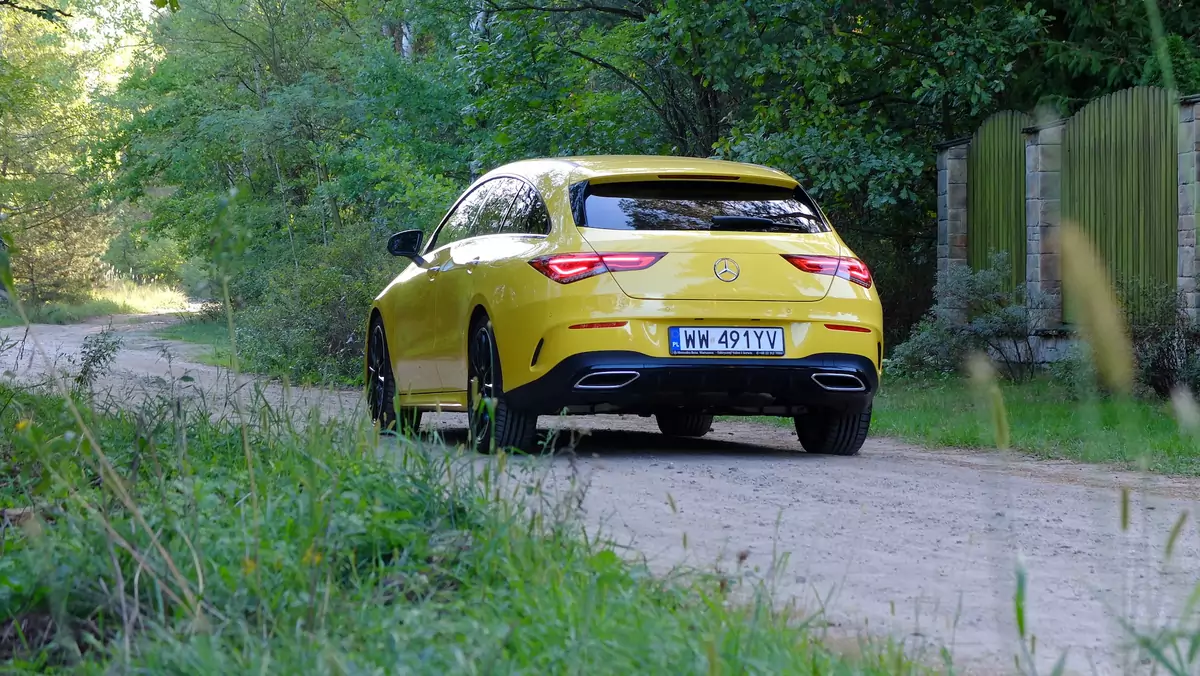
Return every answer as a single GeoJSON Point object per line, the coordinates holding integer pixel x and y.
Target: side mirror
{"type": "Point", "coordinates": [407, 244]}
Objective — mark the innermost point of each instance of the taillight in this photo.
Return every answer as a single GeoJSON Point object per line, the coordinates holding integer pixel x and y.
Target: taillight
{"type": "Point", "coordinates": [567, 268]}
{"type": "Point", "coordinates": [845, 267]}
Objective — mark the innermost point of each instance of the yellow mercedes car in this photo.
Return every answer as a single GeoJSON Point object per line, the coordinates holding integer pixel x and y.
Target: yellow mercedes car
{"type": "Point", "coordinates": [670, 287]}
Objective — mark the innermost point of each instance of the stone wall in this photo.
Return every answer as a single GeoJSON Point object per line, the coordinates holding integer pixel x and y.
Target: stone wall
{"type": "Point", "coordinates": [1043, 193]}
{"type": "Point", "coordinates": [952, 205]}
{"type": "Point", "coordinates": [1189, 187]}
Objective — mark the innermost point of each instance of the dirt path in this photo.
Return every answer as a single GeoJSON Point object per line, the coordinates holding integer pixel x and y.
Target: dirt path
{"type": "Point", "coordinates": [918, 544]}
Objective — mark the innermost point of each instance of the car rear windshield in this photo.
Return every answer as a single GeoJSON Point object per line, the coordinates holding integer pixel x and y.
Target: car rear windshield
{"type": "Point", "coordinates": [697, 205]}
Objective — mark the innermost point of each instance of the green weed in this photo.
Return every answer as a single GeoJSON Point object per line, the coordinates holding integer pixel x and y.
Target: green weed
{"type": "Point", "coordinates": [213, 334]}
{"type": "Point", "coordinates": [358, 558]}
{"type": "Point", "coordinates": [1044, 420]}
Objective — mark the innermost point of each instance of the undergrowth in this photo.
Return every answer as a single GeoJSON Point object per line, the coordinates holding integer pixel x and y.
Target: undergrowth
{"type": "Point", "coordinates": [212, 334]}
{"type": "Point", "coordinates": [154, 540]}
{"type": "Point", "coordinates": [116, 297]}
{"type": "Point", "coordinates": [1046, 419]}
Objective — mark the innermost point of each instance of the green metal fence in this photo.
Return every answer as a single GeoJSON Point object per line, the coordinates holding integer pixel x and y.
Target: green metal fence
{"type": "Point", "coordinates": [996, 192]}
{"type": "Point", "coordinates": [1119, 184]}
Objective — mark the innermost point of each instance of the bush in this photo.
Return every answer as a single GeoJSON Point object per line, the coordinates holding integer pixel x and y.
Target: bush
{"type": "Point", "coordinates": [311, 323]}
{"type": "Point", "coordinates": [59, 260]}
{"type": "Point", "coordinates": [196, 279]}
{"type": "Point", "coordinates": [1164, 337]}
{"type": "Point", "coordinates": [1075, 372]}
{"type": "Point", "coordinates": [976, 311]}
{"type": "Point", "coordinates": [932, 349]}
{"type": "Point", "coordinates": [145, 260]}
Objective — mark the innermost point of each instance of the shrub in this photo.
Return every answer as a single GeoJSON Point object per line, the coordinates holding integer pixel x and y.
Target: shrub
{"type": "Point", "coordinates": [310, 323]}
{"type": "Point", "coordinates": [145, 260]}
{"type": "Point", "coordinates": [1164, 336]}
{"type": "Point", "coordinates": [1075, 371]}
{"type": "Point", "coordinates": [932, 349]}
{"type": "Point", "coordinates": [975, 311]}
{"type": "Point", "coordinates": [59, 260]}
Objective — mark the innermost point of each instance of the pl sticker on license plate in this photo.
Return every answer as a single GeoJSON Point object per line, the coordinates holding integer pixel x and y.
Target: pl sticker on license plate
{"type": "Point", "coordinates": [720, 340]}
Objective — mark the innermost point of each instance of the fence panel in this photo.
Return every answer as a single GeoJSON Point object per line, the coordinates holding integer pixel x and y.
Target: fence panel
{"type": "Point", "coordinates": [996, 192]}
{"type": "Point", "coordinates": [1119, 185]}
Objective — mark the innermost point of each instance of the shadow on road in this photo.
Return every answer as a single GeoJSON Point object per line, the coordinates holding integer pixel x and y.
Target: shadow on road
{"type": "Point", "coordinates": [632, 444]}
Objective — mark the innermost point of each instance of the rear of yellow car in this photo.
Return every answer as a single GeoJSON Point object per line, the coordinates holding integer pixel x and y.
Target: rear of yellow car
{"type": "Point", "coordinates": [686, 293]}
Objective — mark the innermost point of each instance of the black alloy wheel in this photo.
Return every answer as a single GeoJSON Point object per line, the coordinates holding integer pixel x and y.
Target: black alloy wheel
{"type": "Point", "coordinates": [492, 422]}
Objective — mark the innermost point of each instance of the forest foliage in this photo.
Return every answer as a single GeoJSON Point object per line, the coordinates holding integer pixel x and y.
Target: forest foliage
{"type": "Point", "coordinates": [340, 121]}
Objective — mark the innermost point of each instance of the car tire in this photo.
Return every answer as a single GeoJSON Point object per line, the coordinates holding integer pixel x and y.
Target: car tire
{"type": "Point", "coordinates": [493, 423]}
{"type": "Point", "coordinates": [381, 388]}
{"type": "Point", "coordinates": [829, 432]}
{"type": "Point", "coordinates": [683, 424]}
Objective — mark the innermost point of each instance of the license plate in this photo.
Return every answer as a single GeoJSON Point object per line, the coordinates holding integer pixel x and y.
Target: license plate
{"type": "Point", "coordinates": [718, 340]}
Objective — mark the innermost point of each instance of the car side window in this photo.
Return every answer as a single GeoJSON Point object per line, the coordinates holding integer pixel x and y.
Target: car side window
{"type": "Point", "coordinates": [528, 215]}
{"type": "Point", "coordinates": [460, 222]}
{"type": "Point", "coordinates": [493, 213]}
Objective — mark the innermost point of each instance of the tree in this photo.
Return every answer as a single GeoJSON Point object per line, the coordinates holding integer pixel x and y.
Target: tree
{"type": "Point", "coordinates": [46, 118]}
{"type": "Point", "coordinates": [42, 11]}
{"type": "Point", "coordinates": [341, 121]}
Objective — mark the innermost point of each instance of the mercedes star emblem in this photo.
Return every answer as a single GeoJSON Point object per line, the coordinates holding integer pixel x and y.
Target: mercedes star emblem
{"type": "Point", "coordinates": [726, 270]}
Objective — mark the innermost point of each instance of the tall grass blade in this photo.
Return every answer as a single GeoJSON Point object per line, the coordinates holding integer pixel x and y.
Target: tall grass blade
{"type": "Point", "coordinates": [983, 375]}
{"type": "Point", "coordinates": [1019, 600]}
{"type": "Point", "coordinates": [1176, 530]}
{"type": "Point", "coordinates": [1100, 317]}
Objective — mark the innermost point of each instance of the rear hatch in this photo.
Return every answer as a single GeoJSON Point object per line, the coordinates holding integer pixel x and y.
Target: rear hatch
{"type": "Point", "coordinates": [722, 240]}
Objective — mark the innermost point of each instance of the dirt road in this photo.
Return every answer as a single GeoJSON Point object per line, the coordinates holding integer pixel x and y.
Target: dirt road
{"type": "Point", "coordinates": [917, 544]}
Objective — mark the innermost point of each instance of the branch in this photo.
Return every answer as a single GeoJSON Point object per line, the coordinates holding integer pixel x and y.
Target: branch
{"type": "Point", "coordinates": [624, 76]}
{"type": "Point", "coordinates": [584, 7]}
{"type": "Point", "coordinates": [247, 39]}
{"type": "Point", "coordinates": [333, 10]}
{"type": "Point", "coordinates": [41, 11]}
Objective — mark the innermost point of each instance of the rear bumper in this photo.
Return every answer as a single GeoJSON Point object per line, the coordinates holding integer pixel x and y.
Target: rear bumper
{"type": "Point", "coordinates": [630, 382]}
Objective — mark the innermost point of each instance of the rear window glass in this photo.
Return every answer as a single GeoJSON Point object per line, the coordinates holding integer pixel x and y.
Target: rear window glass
{"type": "Point", "coordinates": [697, 205]}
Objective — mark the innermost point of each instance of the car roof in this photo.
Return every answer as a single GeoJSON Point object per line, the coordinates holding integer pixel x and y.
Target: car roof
{"type": "Point", "coordinates": [605, 168]}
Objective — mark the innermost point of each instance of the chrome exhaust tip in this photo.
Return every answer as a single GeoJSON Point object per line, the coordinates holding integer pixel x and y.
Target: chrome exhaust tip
{"type": "Point", "coordinates": [839, 382]}
{"type": "Point", "coordinates": [606, 380]}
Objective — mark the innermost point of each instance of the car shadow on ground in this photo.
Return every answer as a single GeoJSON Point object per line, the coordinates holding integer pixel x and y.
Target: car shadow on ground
{"type": "Point", "coordinates": [632, 444]}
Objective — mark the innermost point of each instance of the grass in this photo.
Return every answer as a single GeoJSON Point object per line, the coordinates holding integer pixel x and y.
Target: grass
{"type": "Point", "coordinates": [1045, 420]}
{"type": "Point", "coordinates": [204, 551]}
{"type": "Point", "coordinates": [117, 297]}
{"type": "Point", "coordinates": [214, 334]}
{"type": "Point", "coordinates": [211, 334]}
{"type": "Point", "coordinates": [143, 297]}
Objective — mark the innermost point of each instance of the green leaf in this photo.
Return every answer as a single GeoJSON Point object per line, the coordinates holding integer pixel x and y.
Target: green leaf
{"type": "Point", "coordinates": [6, 275]}
{"type": "Point", "coordinates": [1019, 601]}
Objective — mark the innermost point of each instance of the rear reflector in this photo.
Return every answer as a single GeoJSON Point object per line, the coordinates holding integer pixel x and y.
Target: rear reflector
{"type": "Point", "coordinates": [567, 268]}
{"type": "Point", "coordinates": [846, 267]}
{"type": "Point", "coordinates": [847, 327]}
{"type": "Point", "coordinates": [600, 325]}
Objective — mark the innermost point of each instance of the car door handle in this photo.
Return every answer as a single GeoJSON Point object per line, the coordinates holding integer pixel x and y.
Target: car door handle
{"type": "Point", "coordinates": [470, 265]}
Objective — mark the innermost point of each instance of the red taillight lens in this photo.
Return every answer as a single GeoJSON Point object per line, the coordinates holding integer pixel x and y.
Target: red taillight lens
{"type": "Point", "coordinates": [600, 325]}
{"type": "Point", "coordinates": [845, 267]}
{"type": "Point", "coordinates": [567, 268]}
{"type": "Point", "coordinates": [848, 327]}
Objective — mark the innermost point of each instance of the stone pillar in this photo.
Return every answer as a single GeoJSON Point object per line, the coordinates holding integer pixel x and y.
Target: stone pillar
{"type": "Point", "coordinates": [1189, 187]}
{"type": "Point", "coordinates": [952, 204]}
{"type": "Point", "coordinates": [1043, 192]}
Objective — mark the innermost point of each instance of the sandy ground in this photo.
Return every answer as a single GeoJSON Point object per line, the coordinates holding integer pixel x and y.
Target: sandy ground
{"type": "Point", "coordinates": [902, 541]}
